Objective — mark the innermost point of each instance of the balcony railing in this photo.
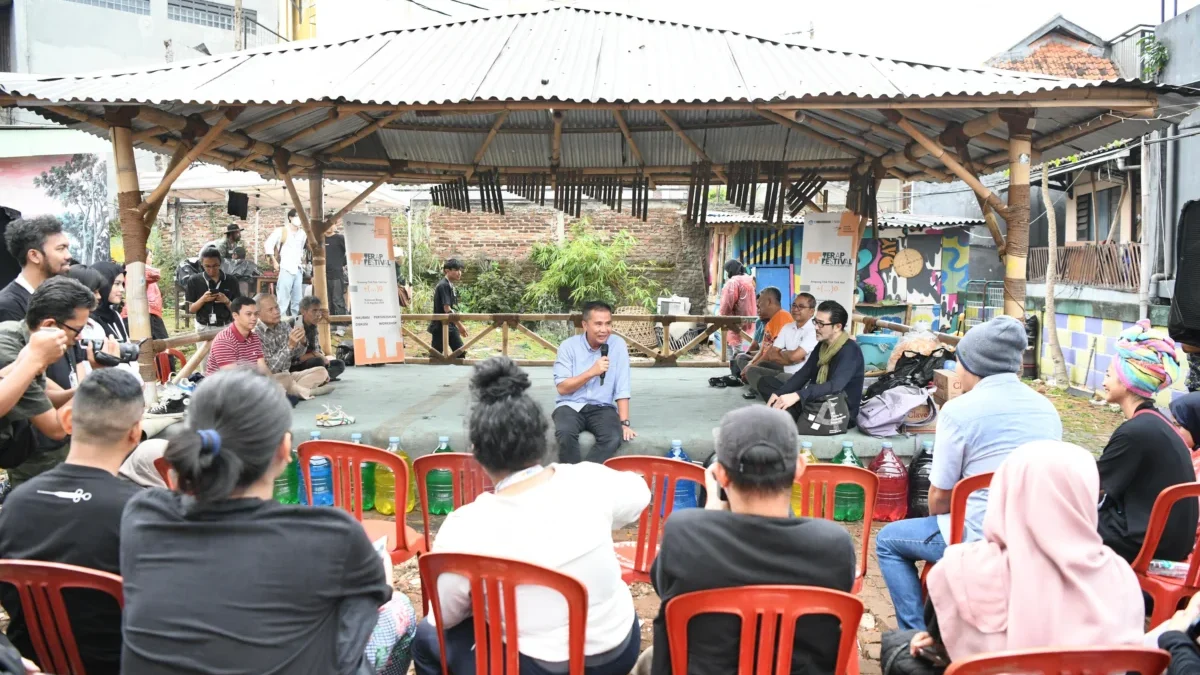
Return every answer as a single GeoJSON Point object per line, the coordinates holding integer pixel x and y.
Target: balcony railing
{"type": "Point", "coordinates": [1112, 266]}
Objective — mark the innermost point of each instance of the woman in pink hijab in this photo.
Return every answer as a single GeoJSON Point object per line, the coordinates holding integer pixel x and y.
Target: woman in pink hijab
{"type": "Point", "coordinates": [1041, 577]}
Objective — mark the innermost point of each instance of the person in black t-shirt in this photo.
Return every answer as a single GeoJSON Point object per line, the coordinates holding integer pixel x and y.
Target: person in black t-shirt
{"type": "Point", "coordinates": [749, 540]}
{"type": "Point", "coordinates": [72, 514]}
{"type": "Point", "coordinates": [210, 293]}
{"type": "Point", "coordinates": [335, 273]}
{"type": "Point", "coordinates": [445, 301]}
{"type": "Point", "coordinates": [1145, 455]}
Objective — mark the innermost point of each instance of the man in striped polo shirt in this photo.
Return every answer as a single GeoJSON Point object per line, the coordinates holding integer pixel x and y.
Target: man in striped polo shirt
{"type": "Point", "coordinates": [238, 344]}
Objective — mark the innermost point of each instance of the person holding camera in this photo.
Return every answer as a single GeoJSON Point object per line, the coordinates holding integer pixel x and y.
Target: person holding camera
{"type": "Point", "coordinates": [211, 294]}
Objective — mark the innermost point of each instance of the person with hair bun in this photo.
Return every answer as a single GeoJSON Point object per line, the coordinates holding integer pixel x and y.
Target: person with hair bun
{"type": "Point", "coordinates": [559, 516]}
{"type": "Point", "coordinates": [220, 578]}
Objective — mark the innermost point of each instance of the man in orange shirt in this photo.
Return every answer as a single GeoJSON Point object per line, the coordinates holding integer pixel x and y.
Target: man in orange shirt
{"type": "Point", "coordinates": [770, 303]}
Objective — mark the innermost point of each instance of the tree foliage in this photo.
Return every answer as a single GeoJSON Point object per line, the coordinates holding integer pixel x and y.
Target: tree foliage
{"type": "Point", "coordinates": [585, 268]}
{"type": "Point", "coordinates": [82, 185]}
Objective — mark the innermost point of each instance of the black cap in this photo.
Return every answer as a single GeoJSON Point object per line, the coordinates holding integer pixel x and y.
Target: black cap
{"type": "Point", "coordinates": [233, 227]}
{"type": "Point", "coordinates": [452, 264]}
{"type": "Point", "coordinates": [757, 428]}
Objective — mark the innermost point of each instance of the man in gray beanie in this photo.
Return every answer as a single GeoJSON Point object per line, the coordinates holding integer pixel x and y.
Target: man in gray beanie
{"type": "Point", "coordinates": [749, 539]}
{"type": "Point", "coordinates": [995, 415]}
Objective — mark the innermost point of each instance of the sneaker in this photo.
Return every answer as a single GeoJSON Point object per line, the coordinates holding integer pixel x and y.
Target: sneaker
{"type": "Point", "coordinates": [333, 417]}
{"type": "Point", "coordinates": [175, 406]}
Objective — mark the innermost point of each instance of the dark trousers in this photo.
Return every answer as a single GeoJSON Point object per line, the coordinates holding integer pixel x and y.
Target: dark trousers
{"type": "Point", "coordinates": [436, 332]}
{"type": "Point", "coordinates": [603, 423]}
{"type": "Point", "coordinates": [769, 386]}
{"type": "Point", "coordinates": [337, 296]}
{"type": "Point", "coordinates": [460, 654]}
{"type": "Point", "coordinates": [335, 366]}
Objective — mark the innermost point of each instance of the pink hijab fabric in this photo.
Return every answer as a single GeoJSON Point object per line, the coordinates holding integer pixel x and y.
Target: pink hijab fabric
{"type": "Point", "coordinates": [1041, 577]}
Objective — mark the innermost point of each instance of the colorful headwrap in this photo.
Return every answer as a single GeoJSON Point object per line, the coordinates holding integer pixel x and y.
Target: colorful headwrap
{"type": "Point", "coordinates": [1147, 360]}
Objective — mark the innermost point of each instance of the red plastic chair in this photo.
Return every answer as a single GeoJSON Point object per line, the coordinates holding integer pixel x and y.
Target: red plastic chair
{"type": "Point", "coordinates": [40, 586]}
{"type": "Point", "coordinates": [826, 477]}
{"type": "Point", "coordinates": [768, 615]}
{"type": "Point", "coordinates": [494, 583]}
{"type": "Point", "coordinates": [636, 557]}
{"type": "Point", "coordinates": [1059, 661]}
{"type": "Point", "coordinates": [162, 363]}
{"type": "Point", "coordinates": [345, 462]}
{"type": "Point", "coordinates": [164, 470]}
{"type": "Point", "coordinates": [962, 491]}
{"type": "Point", "coordinates": [1166, 592]}
{"type": "Point", "coordinates": [469, 482]}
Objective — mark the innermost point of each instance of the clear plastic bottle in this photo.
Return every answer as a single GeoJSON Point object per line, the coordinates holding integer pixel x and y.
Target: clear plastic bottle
{"type": "Point", "coordinates": [797, 493]}
{"type": "Point", "coordinates": [385, 483]}
{"type": "Point", "coordinates": [685, 490]}
{"type": "Point", "coordinates": [439, 484]}
{"type": "Point", "coordinates": [918, 481]}
{"type": "Point", "coordinates": [368, 477]}
{"type": "Point", "coordinates": [892, 501]}
{"type": "Point", "coordinates": [848, 499]}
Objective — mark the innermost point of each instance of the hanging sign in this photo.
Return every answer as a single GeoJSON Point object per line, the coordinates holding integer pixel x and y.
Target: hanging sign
{"type": "Point", "coordinates": [374, 303]}
{"type": "Point", "coordinates": [827, 268]}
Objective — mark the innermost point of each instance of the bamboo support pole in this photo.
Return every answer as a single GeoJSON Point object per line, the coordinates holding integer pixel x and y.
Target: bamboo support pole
{"type": "Point", "coordinates": [331, 119]}
{"type": "Point", "coordinates": [362, 133]}
{"type": "Point", "coordinates": [194, 362]}
{"type": "Point", "coordinates": [810, 133]}
{"type": "Point", "coordinates": [1017, 214]}
{"type": "Point", "coordinates": [856, 121]}
{"type": "Point", "coordinates": [1060, 137]}
{"type": "Point", "coordinates": [140, 136]}
{"type": "Point", "coordinates": [356, 201]}
{"type": "Point", "coordinates": [297, 203]}
{"type": "Point", "coordinates": [316, 244]}
{"type": "Point", "coordinates": [177, 157]}
{"type": "Point", "coordinates": [633, 148]}
{"type": "Point", "coordinates": [504, 338]}
{"type": "Point", "coordinates": [687, 140]}
{"type": "Point", "coordinates": [134, 235]}
{"type": "Point", "coordinates": [950, 163]}
{"type": "Point", "coordinates": [989, 215]}
{"type": "Point", "coordinates": [205, 142]}
{"type": "Point", "coordinates": [487, 141]}
{"type": "Point", "coordinates": [285, 116]}
{"type": "Point", "coordinates": [556, 140]}
{"type": "Point", "coordinates": [236, 139]}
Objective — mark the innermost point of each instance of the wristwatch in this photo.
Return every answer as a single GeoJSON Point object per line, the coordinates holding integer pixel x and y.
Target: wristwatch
{"type": "Point", "coordinates": [624, 423]}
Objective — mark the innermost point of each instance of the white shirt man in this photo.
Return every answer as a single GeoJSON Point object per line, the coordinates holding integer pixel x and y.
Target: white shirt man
{"type": "Point", "coordinates": [793, 337]}
{"type": "Point", "coordinates": [286, 247]}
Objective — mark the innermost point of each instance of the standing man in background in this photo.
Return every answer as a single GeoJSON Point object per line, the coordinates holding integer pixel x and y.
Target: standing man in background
{"type": "Point", "coordinates": [445, 301]}
{"type": "Point", "coordinates": [335, 273]}
{"type": "Point", "coordinates": [210, 293]}
{"type": "Point", "coordinates": [285, 247]}
{"type": "Point", "coordinates": [227, 244]}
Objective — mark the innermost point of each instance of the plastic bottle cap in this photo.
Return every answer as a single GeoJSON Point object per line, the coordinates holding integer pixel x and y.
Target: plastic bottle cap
{"type": "Point", "coordinates": [847, 444]}
{"type": "Point", "coordinates": [888, 446]}
{"type": "Point", "coordinates": [443, 439]}
{"type": "Point", "coordinates": [393, 439]}
{"type": "Point", "coordinates": [356, 436]}
{"type": "Point", "coordinates": [314, 434]}
{"type": "Point", "coordinates": [676, 444]}
{"type": "Point", "coordinates": [806, 444]}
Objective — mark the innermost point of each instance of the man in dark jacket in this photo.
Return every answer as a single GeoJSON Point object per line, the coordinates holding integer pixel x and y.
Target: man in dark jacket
{"type": "Point", "coordinates": [836, 365]}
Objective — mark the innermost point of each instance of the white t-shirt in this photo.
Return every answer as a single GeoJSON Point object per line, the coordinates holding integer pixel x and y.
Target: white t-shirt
{"type": "Point", "coordinates": [291, 254]}
{"type": "Point", "coordinates": [564, 524]}
{"type": "Point", "coordinates": [790, 337]}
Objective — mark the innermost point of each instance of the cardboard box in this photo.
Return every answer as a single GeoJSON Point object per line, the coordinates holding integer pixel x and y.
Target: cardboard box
{"type": "Point", "coordinates": [948, 385]}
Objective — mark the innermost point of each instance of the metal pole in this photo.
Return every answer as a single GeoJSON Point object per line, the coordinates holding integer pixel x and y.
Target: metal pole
{"type": "Point", "coordinates": [408, 219]}
{"type": "Point", "coordinates": [239, 26]}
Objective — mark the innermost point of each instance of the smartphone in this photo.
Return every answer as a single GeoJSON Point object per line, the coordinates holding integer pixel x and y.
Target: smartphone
{"type": "Point", "coordinates": [935, 655]}
{"type": "Point", "coordinates": [298, 322]}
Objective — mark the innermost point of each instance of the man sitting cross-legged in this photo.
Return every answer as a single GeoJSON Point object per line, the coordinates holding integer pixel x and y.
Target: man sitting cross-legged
{"type": "Point", "coordinates": [312, 312]}
{"type": "Point", "coordinates": [238, 344]}
{"type": "Point", "coordinates": [72, 514]}
{"type": "Point", "coordinates": [749, 540]}
{"type": "Point", "coordinates": [282, 343]}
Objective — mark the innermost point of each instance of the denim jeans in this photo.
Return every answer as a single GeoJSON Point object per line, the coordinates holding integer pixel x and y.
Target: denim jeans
{"type": "Point", "coordinates": [898, 546]}
{"type": "Point", "coordinates": [288, 290]}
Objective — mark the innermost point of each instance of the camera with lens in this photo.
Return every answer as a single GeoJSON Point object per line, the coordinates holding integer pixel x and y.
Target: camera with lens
{"type": "Point", "coordinates": [128, 352]}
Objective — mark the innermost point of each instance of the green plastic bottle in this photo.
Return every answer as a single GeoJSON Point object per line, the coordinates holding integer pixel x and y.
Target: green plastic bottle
{"type": "Point", "coordinates": [284, 490]}
{"type": "Point", "coordinates": [439, 484]}
{"type": "Point", "coordinates": [848, 500]}
{"type": "Point", "coordinates": [368, 477]}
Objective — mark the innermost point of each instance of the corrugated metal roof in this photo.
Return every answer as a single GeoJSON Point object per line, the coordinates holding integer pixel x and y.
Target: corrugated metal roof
{"type": "Point", "coordinates": [910, 221]}
{"type": "Point", "coordinates": [558, 54]}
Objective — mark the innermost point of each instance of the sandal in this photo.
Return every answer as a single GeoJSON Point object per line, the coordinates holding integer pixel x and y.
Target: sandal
{"type": "Point", "coordinates": [333, 417]}
{"type": "Point", "coordinates": [718, 382]}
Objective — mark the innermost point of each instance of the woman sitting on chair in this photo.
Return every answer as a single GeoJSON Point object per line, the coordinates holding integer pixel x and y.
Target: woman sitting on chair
{"type": "Point", "coordinates": [559, 516]}
{"type": "Point", "coordinates": [220, 578]}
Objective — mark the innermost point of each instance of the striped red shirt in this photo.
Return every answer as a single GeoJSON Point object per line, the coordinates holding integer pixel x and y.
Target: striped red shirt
{"type": "Point", "coordinates": [231, 347]}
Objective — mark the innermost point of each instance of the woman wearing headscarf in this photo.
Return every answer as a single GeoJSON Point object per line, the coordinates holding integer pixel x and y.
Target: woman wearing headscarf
{"type": "Point", "coordinates": [737, 299]}
{"type": "Point", "coordinates": [112, 297]}
{"type": "Point", "coordinates": [1041, 576]}
{"type": "Point", "coordinates": [1146, 454]}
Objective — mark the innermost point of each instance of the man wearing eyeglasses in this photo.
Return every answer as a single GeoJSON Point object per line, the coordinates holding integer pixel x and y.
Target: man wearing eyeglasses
{"type": "Point", "coordinates": [837, 365]}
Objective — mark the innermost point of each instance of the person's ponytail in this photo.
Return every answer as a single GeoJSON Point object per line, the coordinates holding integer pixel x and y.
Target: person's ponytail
{"type": "Point", "coordinates": [203, 471]}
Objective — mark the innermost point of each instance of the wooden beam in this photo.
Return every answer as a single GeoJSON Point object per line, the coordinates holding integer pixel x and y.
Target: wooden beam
{"type": "Point", "coordinates": [637, 154]}
{"type": "Point", "coordinates": [362, 133]}
{"type": "Point", "coordinates": [989, 215]}
{"type": "Point", "coordinates": [950, 163]}
{"type": "Point", "coordinates": [1017, 213]}
{"type": "Point", "coordinates": [330, 119]}
{"type": "Point", "coordinates": [356, 201]}
{"type": "Point", "coordinates": [280, 160]}
{"type": "Point", "coordinates": [235, 138]}
{"type": "Point", "coordinates": [856, 121]}
{"type": "Point", "coordinates": [982, 124]}
{"type": "Point", "coordinates": [820, 138]}
{"type": "Point", "coordinates": [140, 136]}
{"type": "Point", "coordinates": [687, 140]}
{"type": "Point", "coordinates": [556, 140]}
{"type": "Point", "coordinates": [203, 144]}
{"type": "Point", "coordinates": [487, 141]}
{"type": "Point", "coordinates": [177, 158]}
{"type": "Point", "coordinates": [287, 115]}
{"type": "Point", "coordinates": [1065, 135]}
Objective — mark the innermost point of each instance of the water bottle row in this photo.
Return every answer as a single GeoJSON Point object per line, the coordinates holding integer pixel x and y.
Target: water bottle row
{"type": "Point", "coordinates": [378, 482]}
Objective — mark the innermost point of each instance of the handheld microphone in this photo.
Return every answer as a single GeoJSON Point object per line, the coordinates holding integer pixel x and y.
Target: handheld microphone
{"type": "Point", "coordinates": [603, 354]}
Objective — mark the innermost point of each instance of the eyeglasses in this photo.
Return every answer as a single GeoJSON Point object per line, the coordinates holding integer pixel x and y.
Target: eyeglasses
{"type": "Point", "coordinates": [821, 324]}
{"type": "Point", "coordinates": [71, 328]}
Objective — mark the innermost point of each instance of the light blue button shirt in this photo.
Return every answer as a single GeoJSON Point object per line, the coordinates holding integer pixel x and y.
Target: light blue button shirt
{"type": "Point", "coordinates": [977, 431]}
{"type": "Point", "coordinates": [575, 356]}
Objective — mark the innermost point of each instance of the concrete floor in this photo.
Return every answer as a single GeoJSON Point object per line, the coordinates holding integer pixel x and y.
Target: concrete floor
{"type": "Point", "coordinates": [418, 403]}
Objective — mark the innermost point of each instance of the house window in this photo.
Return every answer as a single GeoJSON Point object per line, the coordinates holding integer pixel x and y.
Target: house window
{"type": "Point", "coordinates": [1083, 217]}
{"type": "Point", "coordinates": [211, 14]}
{"type": "Point", "coordinates": [132, 6]}
{"type": "Point", "coordinates": [1094, 224]}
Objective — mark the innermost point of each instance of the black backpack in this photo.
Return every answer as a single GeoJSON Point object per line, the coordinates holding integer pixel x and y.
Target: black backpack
{"type": "Point", "coordinates": [913, 368]}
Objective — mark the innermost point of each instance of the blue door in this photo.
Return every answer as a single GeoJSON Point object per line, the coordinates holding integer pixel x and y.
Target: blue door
{"type": "Point", "coordinates": [779, 276]}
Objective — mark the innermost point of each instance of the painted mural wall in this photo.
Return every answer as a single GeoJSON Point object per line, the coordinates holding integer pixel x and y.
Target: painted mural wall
{"type": "Point", "coordinates": [73, 188]}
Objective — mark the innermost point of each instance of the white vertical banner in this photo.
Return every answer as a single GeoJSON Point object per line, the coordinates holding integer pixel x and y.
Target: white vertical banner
{"type": "Point", "coordinates": [827, 269]}
{"type": "Point", "coordinates": [374, 303]}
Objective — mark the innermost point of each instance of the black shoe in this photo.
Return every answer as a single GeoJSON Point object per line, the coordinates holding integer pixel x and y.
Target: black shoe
{"type": "Point", "coordinates": [171, 407]}
{"type": "Point", "coordinates": [750, 395]}
{"type": "Point", "coordinates": [731, 381]}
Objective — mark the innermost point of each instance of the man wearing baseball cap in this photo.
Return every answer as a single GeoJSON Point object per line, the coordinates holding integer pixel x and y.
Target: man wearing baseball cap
{"type": "Point", "coordinates": [995, 415]}
{"type": "Point", "coordinates": [749, 539]}
{"type": "Point", "coordinates": [445, 301]}
{"type": "Point", "coordinates": [227, 244]}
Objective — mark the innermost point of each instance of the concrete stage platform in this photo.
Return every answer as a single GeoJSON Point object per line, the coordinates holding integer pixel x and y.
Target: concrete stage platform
{"type": "Point", "coordinates": [418, 403]}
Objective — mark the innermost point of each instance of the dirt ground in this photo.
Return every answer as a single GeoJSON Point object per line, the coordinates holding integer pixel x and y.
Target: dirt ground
{"type": "Point", "coordinates": [877, 616]}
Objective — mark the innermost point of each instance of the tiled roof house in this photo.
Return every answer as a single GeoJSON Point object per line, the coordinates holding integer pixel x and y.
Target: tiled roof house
{"type": "Point", "coordinates": [1059, 48]}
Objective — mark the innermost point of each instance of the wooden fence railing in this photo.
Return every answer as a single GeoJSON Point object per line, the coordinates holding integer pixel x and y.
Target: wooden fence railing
{"type": "Point", "coordinates": [643, 352]}
{"type": "Point", "coordinates": [870, 323]}
{"type": "Point", "coordinates": [1112, 266]}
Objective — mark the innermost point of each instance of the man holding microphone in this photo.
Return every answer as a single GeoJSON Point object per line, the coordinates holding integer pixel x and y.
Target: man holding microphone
{"type": "Point", "coordinates": [591, 374]}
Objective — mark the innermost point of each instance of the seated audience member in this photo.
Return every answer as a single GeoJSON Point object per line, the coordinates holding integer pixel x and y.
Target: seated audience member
{"type": "Point", "coordinates": [43, 251]}
{"type": "Point", "coordinates": [737, 299]}
{"type": "Point", "coordinates": [837, 365]}
{"type": "Point", "coordinates": [770, 310]}
{"type": "Point", "coordinates": [112, 299]}
{"type": "Point", "coordinates": [1145, 455]}
{"type": "Point", "coordinates": [1040, 577]}
{"type": "Point", "coordinates": [138, 468]}
{"type": "Point", "coordinates": [750, 540]}
{"type": "Point", "coordinates": [593, 389]}
{"type": "Point", "coordinates": [268, 588]}
{"type": "Point", "coordinates": [1172, 637]}
{"type": "Point", "coordinates": [739, 361]}
{"type": "Point", "coordinates": [238, 344]}
{"type": "Point", "coordinates": [311, 313]}
{"type": "Point", "coordinates": [789, 352]}
{"type": "Point", "coordinates": [211, 293]}
{"type": "Point", "coordinates": [559, 516]}
{"type": "Point", "coordinates": [93, 281]}
{"type": "Point", "coordinates": [72, 514]}
{"type": "Point", "coordinates": [282, 344]}
{"type": "Point", "coordinates": [1186, 411]}
{"type": "Point", "coordinates": [976, 432]}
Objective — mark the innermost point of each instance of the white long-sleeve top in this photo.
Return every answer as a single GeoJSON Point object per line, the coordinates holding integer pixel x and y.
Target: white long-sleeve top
{"type": "Point", "coordinates": [564, 524]}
